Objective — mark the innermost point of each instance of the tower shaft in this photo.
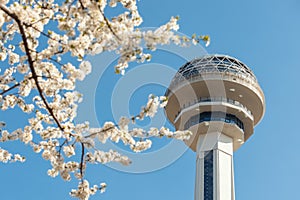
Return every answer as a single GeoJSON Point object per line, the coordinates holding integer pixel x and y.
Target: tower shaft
{"type": "Point", "coordinates": [219, 100]}
{"type": "Point", "coordinates": [214, 170]}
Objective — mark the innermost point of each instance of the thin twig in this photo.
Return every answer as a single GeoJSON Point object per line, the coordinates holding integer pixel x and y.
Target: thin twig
{"type": "Point", "coordinates": [9, 89]}
{"type": "Point", "coordinates": [133, 118]}
{"type": "Point", "coordinates": [108, 24]}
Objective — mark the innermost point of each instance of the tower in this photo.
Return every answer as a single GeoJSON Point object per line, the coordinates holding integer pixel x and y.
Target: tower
{"type": "Point", "coordinates": [218, 98]}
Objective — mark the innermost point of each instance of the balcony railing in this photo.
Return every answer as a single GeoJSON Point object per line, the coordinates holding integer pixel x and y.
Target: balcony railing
{"type": "Point", "coordinates": [180, 79]}
{"type": "Point", "coordinates": [214, 99]}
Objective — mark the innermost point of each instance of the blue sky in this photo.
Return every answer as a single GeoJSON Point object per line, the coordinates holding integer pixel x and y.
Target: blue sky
{"type": "Point", "coordinates": [262, 34]}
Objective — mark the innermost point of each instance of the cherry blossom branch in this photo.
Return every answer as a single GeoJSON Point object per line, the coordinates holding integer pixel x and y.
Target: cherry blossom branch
{"type": "Point", "coordinates": [69, 7]}
{"type": "Point", "coordinates": [5, 33]}
{"type": "Point", "coordinates": [108, 24]}
{"type": "Point", "coordinates": [105, 19]}
{"type": "Point", "coordinates": [9, 89]}
{"type": "Point", "coordinates": [43, 33]}
{"type": "Point", "coordinates": [17, 85]}
{"type": "Point", "coordinates": [31, 63]}
{"type": "Point", "coordinates": [48, 36]}
{"type": "Point", "coordinates": [37, 3]}
{"type": "Point", "coordinates": [81, 4]}
{"type": "Point", "coordinates": [54, 83]}
{"type": "Point", "coordinates": [82, 161]}
{"type": "Point", "coordinates": [133, 118]}
{"type": "Point", "coordinates": [40, 20]}
{"type": "Point", "coordinates": [61, 146]}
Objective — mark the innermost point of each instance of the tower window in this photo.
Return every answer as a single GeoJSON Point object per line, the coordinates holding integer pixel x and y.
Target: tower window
{"type": "Point", "coordinates": [214, 116]}
{"type": "Point", "coordinates": [209, 175]}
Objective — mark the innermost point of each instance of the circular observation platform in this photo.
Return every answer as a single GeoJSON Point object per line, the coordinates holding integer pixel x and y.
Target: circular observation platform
{"type": "Point", "coordinates": [215, 93]}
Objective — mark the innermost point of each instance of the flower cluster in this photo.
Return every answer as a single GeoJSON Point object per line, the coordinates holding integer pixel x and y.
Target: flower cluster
{"type": "Point", "coordinates": [37, 39]}
{"type": "Point", "coordinates": [84, 190]}
{"type": "Point", "coordinates": [5, 157]}
{"type": "Point", "coordinates": [120, 132]}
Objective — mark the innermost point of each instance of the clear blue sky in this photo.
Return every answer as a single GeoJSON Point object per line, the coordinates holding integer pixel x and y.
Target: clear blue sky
{"type": "Point", "coordinates": [262, 34]}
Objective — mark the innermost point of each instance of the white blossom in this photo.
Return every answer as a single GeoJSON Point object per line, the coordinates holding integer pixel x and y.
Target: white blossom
{"type": "Point", "coordinates": [164, 101]}
{"type": "Point", "coordinates": [82, 192]}
{"type": "Point", "coordinates": [123, 123]}
{"type": "Point", "coordinates": [165, 132]}
{"type": "Point", "coordinates": [182, 135]}
{"type": "Point", "coordinates": [2, 20]}
{"type": "Point", "coordinates": [138, 132]}
{"type": "Point", "coordinates": [46, 154]}
{"type": "Point", "coordinates": [85, 67]}
{"type": "Point", "coordinates": [18, 157]}
{"type": "Point", "coordinates": [5, 156]}
{"type": "Point", "coordinates": [153, 132]}
{"type": "Point", "coordinates": [26, 135]}
{"type": "Point", "coordinates": [37, 148]}
{"type": "Point", "coordinates": [3, 56]}
{"type": "Point", "coordinates": [52, 172]}
{"type": "Point", "coordinates": [23, 68]}
{"type": "Point", "coordinates": [141, 145]}
{"type": "Point", "coordinates": [102, 187]}
{"type": "Point", "coordinates": [13, 58]}
{"type": "Point", "coordinates": [69, 150]}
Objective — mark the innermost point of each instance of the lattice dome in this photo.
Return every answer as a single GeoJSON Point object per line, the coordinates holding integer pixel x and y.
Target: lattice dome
{"type": "Point", "coordinates": [213, 64]}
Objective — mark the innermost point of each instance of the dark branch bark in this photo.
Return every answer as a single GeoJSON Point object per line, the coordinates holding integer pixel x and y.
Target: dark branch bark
{"type": "Point", "coordinates": [107, 24]}
{"type": "Point", "coordinates": [31, 63]}
{"type": "Point", "coordinates": [82, 161]}
{"type": "Point", "coordinates": [9, 89]}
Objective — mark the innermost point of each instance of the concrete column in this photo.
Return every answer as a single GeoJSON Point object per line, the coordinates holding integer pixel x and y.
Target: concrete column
{"type": "Point", "coordinates": [214, 150]}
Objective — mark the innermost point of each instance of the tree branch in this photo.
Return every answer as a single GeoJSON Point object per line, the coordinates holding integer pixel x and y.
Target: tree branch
{"type": "Point", "coordinates": [9, 89]}
{"type": "Point", "coordinates": [108, 25]}
{"type": "Point", "coordinates": [31, 63]}
{"type": "Point", "coordinates": [82, 161]}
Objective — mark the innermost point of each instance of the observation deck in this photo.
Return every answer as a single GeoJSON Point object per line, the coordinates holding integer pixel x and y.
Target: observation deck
{"type": "Point", "coordinates": [218, 86]}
